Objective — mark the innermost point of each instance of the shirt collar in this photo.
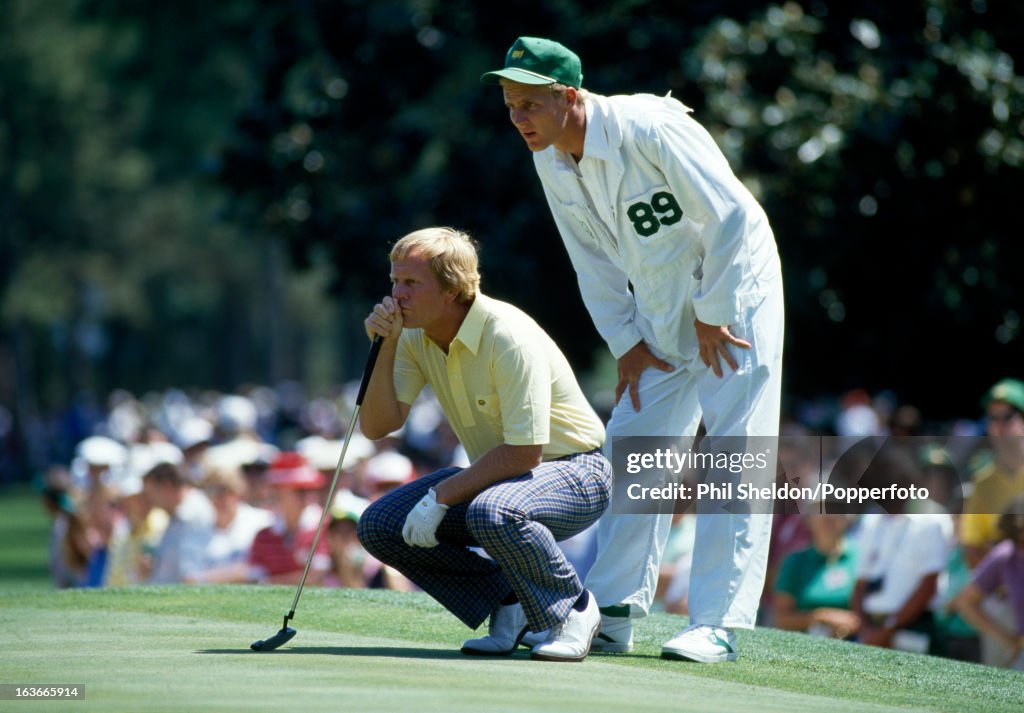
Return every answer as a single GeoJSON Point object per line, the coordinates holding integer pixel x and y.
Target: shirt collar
{"type": "Point", "coordinates": [600, 140]}
{"type": "Point", "coordinates": [596, 142]}
{"type": "Point", "coordinates": [472, 328]}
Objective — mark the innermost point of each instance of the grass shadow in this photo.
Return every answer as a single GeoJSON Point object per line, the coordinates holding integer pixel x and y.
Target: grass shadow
{"type": "Point", "coordinates": [404, 652]}
{"type": "Point", "coordinates": [611, 656]}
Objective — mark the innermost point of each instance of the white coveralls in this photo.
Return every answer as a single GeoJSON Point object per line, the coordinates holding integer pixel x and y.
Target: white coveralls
{"type": "Point", "coordinates": [660, 232]}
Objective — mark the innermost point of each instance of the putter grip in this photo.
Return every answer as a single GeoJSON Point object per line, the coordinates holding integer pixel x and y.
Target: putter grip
{"type": "Point", "coordinates": [371, 359]}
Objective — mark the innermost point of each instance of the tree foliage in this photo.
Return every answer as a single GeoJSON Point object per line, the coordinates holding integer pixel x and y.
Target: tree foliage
{"type": "Point", "coordinates": [204, 193]}
{"type": "Point", "coordinates": [887, 145]}
{"type": "Point", "coordinates": [885, 140]}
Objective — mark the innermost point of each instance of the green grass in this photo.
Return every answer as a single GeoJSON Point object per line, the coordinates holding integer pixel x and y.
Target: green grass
{"type": "Point", "coordinates": [24, 533]}
{"type": "Point", "coordinates": [186, 648]}
{"type": "Point", "coordinates": [183, 649]}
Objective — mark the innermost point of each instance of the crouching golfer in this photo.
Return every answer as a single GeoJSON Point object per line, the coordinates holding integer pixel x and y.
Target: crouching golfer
{"type": "Point", "coordinates": [537, 474]}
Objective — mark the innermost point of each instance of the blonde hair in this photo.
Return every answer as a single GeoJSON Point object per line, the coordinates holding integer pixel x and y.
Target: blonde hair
{"type": "Point", "coordinates": [228, 477]}
{"type": "Point", "coordinates": [452, 255]}
{"type": "Point", "coordinates": [558, 90]}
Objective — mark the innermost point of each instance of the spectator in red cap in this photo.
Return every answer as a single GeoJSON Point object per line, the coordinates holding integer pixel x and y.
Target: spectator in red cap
{"type": "Point", "coordinates": [279, 552]}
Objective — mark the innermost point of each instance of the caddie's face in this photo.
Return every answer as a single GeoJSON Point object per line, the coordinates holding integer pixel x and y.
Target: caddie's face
{"type": "Point", "coordinates": [419, 294]}
{"type": "Point", "coordinates": [538, 115]}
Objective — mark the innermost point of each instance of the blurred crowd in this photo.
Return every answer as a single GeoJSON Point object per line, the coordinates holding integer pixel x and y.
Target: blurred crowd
{"type": "Point", "coordinates": [230, 488]}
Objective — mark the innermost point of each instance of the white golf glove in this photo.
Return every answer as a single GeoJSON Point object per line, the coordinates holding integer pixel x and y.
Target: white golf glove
{"type": "Point", "coordinates": [422, 521]}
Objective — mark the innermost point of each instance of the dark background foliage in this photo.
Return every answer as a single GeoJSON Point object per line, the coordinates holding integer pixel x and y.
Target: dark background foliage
{"type": "Point", "coordinates": [202, 194]}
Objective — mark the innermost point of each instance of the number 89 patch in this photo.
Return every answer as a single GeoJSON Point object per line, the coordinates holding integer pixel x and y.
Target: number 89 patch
{"type": "Point", "coordinates": [649, 214]}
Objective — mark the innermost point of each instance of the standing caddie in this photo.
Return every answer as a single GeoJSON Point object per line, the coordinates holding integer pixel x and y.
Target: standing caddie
{"type": "Point", "coordinates": [537, 475]}
{"type": "Point", "coordinates": [678, 268]}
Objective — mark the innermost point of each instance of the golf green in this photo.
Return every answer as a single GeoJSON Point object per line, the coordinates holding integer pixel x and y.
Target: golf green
{"type": "Point", "coordinates": [186, 649]}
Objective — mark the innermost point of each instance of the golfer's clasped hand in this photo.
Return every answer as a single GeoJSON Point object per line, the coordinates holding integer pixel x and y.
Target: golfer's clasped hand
{"type": "Point", "coordinates": [385, 320]}
{"type": "Point", "coordinates": [421, 523]}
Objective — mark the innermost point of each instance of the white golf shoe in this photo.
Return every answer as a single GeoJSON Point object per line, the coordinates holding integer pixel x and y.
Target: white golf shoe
{"type": "Point", "coordinates": [704, 644]}
{"type": "Point", "coordinates": [571, 640]}
{"type": "Point", "coordinates": [535, 638]}
{"type": "Point", "coordinates": [616, 635]}
{"type": "Point", "coordinates": [504, 631]}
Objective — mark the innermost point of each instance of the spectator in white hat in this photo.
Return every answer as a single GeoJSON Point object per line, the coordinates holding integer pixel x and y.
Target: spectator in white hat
{"type": "Point", "coordinates": [226, 555]}
{"type": "Point", "coordinates": [386, 471]}
{"type": "Point", "coordinates": [193, 437]}
{"type": "Point", "coordinates": [323, 454]}
{"type": "Point", "coordinates": [136, 534]}
{"type": "Point", "coordinates": [236, 441]}
{"type": "Point", "coordinates": [95, 456]}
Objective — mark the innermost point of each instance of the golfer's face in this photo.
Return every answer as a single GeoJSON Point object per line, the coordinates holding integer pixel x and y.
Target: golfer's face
{"type": "Point", "coordinates": [417, 291]}
{"type": "Point", "coordinates": [538, 115]}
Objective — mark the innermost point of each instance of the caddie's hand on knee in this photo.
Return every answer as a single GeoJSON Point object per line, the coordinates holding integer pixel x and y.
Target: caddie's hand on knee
{"type": "Point", "coordinates": [714, 344]}
{"type": "Point", "coordinates": [631, 365]}
{"type": "Point", "coordinates": [385, 320]}
{"type": "Point", "coordinates": [421, 523]}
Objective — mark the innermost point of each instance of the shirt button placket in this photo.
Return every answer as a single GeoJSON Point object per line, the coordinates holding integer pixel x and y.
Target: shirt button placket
{"type": "Point", "coordinates": [458, 387]}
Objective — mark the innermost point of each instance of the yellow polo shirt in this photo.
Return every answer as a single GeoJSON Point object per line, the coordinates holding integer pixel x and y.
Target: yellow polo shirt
{"type": "Point", "coordinates": [503, 381]}
{"type": "Point", "coordinates": [994, 490]}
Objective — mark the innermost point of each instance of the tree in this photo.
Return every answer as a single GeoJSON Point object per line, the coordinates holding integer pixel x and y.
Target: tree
{"type": "Point", "coordinates": [204, 193]}
{"type": "Point", "coordinates": [883, 139]}
{"type": "Point", "coordinates": [116, 267]}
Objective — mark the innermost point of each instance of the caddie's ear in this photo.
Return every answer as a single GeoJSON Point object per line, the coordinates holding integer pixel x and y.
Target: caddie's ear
{"type": "Point", "coordinates": [570, 95]}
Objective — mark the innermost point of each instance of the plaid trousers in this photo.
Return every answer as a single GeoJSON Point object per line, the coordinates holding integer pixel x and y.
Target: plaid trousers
{"type": "Point", "coordinates": [517, 522]}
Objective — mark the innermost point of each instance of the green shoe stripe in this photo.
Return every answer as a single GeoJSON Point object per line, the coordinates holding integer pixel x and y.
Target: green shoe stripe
{"type": "Point", "coordinates": [716, 639]}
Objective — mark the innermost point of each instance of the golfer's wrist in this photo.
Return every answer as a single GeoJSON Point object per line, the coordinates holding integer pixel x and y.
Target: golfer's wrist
{"type": "Point", "coordinates": [438, 497]}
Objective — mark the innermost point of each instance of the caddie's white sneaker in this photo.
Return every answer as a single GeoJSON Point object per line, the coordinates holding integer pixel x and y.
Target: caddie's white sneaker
{"type": "Point", "coordinates": [506, 627]}
{"type": "Point", "coordinates": [615, 636]}
{"type": "Point", "coordinates": [704, 644]}
{"type": "Point", "coordinates": [570, 640]}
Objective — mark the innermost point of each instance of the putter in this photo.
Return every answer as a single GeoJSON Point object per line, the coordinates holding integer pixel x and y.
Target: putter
{"type": "Point", "coordinates": [286, 633]}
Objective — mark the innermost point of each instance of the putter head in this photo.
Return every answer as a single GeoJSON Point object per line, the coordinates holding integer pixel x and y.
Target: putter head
{"type": "Point", "coordinates": [280, 638]}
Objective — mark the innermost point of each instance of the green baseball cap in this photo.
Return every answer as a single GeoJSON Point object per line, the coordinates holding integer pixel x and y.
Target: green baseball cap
{"type": "Point", "coordinates": [1009, 390]}
{"type": "Point", "coordinates": [534, 60]}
